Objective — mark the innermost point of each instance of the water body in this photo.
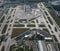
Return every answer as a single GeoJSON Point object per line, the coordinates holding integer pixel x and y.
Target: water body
{"type": "Point", "coordinates": [56, 7]}
{"type": "Point", "coordinates": [30, 0]}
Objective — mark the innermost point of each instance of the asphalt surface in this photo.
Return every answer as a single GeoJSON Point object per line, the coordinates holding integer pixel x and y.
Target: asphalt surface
{"type": "Point", "coordinates": [21, 36]}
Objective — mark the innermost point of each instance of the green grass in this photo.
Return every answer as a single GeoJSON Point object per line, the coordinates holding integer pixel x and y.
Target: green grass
{"type": "Point", "coordinates": [55, 29]}
{"type": "Point", "coordinates": [18, 47]}
{"type": "Point", "coordinates": [7, 22]}
{"type": "Point", "coordinates": [2, 19]}
{"type": "Point", "coordinates": [2, 48]}
{"type": "Point", "coordinates": [33, 22]}
{"type": "Point", "coordinates": [9, 17]}
{"type": "Point", "coordinates": [21, 25]}
{"type": "Point", "coordinates": [50, 20]}
{"type": "Point", "coordinates": [11, 10]}
{"type": "Point", "coordinates": [55, 38]}
{"type": "Point", "coordinates": [49, 26]}
{"type": "Point", "coordinates": [12, 47]}
{"type": "Point", "coordinates": [59, 46]}
{"type": "Point", "coordinates": [45, 12]}
{"type": "Point", "coordinates": [30, 25]}
{"type": "Point", "coordinates": [41, 25]}
{"type": "Point", "coordinates": [46, 30]}
{"type": "Point", "coordinates": [18, 31]}
{"type": "Point", "coordinates": [4, 29]}
{"type": "Point", "coordinates": [26, 48]}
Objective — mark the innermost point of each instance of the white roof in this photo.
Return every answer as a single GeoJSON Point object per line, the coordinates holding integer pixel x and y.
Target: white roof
{"type": "Point", "coordinates": [48, 37]}
{"type": "Point", "coordinates": [40, 46]}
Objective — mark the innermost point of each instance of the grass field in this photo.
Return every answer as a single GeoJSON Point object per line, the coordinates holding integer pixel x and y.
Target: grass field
{"type": "Point", "coordinates": [41, 25]}
{"type": "Point", "coordinates": [2, 19]}
{"type": "Point", "coordinates": [46, 30]}
{"type": "Point", "coordinates": [21, 25]}
{"type": "Point", "coordinates": [2, 48]}
{"type": "Point", "coordinates": [4, 29]}
{"type": "Point", "coordinates": [33, 22]}
{"type": "Point", "coordinates": [50, 20]}
{"type": "Point", "coordinates": [18, 31]}
{"type": "Point", "coordinates": [30, 25]}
